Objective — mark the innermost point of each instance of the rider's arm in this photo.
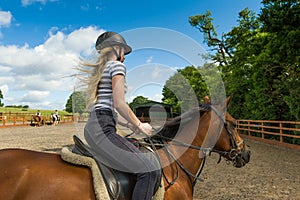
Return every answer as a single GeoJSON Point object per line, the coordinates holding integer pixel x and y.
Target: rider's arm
{"type": "Point", "coordinates": [118, 82]}
{"type": "Point", "coordinates": [123, 122]}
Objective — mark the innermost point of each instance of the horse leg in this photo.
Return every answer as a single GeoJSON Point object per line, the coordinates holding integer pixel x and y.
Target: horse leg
{"type": "Point", "coordinates": [54, 121]}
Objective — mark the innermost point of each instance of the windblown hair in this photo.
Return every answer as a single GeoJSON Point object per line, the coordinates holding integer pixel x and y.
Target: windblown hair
{"type": "Point", "coordinates": [91, 74]}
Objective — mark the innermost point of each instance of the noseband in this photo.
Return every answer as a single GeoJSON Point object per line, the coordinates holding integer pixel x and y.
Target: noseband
{"type": "Point", "coordinates": [230, 155]}
{"type": "Point", "coordinates": [233, 153]}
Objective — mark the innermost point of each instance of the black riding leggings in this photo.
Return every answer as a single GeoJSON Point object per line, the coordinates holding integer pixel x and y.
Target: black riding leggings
{"type": "Point", "coordinates": [118, 153]}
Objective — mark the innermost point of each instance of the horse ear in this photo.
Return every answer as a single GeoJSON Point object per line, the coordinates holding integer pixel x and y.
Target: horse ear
{"type": "Point", "coordinates": [206, 99]}
{"type": "Point", "coordinates": [228, 99]}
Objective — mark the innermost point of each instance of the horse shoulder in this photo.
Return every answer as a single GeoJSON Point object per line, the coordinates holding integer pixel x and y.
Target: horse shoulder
{"type": "Point", "coordinates": [44, 174]}
{"type": "Point", "coordinates": [178, 191]}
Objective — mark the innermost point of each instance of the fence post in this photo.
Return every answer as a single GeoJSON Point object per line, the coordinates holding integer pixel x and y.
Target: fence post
{"type": "Point", "coordinates": [281, 132]}
{"type": "Point", "coordinates": [262, 130]}
{"type": "Point", "coordinates": [15, 120]}
{"type": "Point", "coordinates": [4, 120]}
{"type": "Point", "coordinates": [249, 128]}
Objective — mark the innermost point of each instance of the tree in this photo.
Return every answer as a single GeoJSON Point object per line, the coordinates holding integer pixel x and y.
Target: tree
{"type": "Point", "coordinates": [185, 89]}
{"type": "Point", "coordinates": [281, 20]}
{"type": "Point", "coordinates": [259, 60]}
{"type": "Point", "coordinates": [138, 100]}
{"type": "Point", "coordinates": [1, 97]}
{"type": "Point", "coordinates": [234, 68]}
{"type": "Point", "coordinates": [76, 103]}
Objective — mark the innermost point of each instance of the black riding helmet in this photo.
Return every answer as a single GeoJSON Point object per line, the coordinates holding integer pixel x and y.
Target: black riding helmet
{"type": "Point", "coordinates": [108, 39]}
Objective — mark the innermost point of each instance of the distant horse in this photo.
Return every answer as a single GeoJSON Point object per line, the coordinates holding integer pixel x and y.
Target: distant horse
{"type": "Point", "coordinates": [55, 119]}
{"type": "Point", "coordinates": [36, 120]}
{"type": "Point", "coordinates": [31, 175]}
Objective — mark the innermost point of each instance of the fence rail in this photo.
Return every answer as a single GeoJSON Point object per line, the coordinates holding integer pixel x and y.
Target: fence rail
{"type": "Point", "coordinates": [282, 133]}
{"type": "Point", "coordinates": [25, 119]}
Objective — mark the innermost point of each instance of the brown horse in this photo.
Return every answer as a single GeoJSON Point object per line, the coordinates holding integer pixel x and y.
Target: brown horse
{"type": "Point", "coordinates": [30, 175]}
{"type": "Point", "coordinates": [37, 120]}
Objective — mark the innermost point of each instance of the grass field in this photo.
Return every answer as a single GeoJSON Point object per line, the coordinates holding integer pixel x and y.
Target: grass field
{"type": "Point", "coordinates": [31, 111]}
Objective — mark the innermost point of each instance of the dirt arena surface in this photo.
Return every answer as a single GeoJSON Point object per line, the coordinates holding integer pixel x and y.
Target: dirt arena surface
{"type": "Point", "coordinates": [273, 172]}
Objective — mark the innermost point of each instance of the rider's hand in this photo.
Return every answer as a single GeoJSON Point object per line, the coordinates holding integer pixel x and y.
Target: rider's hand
{"type": "Point", "coordinates": [145, 128]}
{"type": "Point", "coordinates": [132, 127]}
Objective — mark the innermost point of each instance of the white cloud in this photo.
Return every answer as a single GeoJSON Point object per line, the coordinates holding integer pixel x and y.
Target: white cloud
{"type": "Point", "coordinates": [4, 89]}
{"type": "Point", "coordinates": [42, 82]}
{"type": "Point", "coordinates": [149, 60]}
{"type": "Point", "coordinates": [85, 7]}
{"type": "Point", "coordinates": [4, 80]}
{"type": "Point", "coordinates": [99, 8]}
{"type": "Point", "coordinates": [78, 41]}
{"type": "Point", "coordinates": [29, 2]}
{"type": "Point", "coordinates": [159, 71]}
{"type": "Point", "coordinates": [35, 96]}
{"type": "Point", "coordinates": [36, 72]}
{"type": "Point", "coordinates": [157, 97]}
{"type": "Point", "coordinates": [5, 18]}
{"type": "Point", "coordinates": [5, 69]}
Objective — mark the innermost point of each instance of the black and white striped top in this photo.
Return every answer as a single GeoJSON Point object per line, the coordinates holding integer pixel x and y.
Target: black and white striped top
{"type": "Point", "coordinates": [104, 94]}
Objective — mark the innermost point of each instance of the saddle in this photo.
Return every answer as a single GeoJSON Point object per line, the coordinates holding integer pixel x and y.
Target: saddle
{"type": "Point", "coordinates": [119, 184]}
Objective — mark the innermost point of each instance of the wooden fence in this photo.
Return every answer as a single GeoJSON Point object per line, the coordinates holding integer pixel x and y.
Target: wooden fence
{"type": "Point", "coordinates": [282, 133]}
{"type": "Point", "coordinates": [24, 119]}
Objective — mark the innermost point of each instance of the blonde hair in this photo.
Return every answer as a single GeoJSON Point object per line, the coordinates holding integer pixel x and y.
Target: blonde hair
{"type": "Point", "coordinates": [91, 74]}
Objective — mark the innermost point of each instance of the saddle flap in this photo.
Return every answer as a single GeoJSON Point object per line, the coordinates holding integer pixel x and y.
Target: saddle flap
{"type": "Point", "coordinates": [110, 179]}
{"type": "Point", "coordinates": [119, 184]}
{"type": "Point", "coordinates": [112, 184]}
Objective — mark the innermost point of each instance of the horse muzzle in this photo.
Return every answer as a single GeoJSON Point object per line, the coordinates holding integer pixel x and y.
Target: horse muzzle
{"type": "Point", "coordinates": [242, 158]}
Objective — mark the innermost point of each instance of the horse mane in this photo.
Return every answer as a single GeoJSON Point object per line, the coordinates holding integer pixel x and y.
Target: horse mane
{"type": "Point", "coordinates": [171, 128]}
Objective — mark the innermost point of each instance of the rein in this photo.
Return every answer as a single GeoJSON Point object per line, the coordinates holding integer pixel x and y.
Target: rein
{"type": "Point", "coordinates": [206, 151]}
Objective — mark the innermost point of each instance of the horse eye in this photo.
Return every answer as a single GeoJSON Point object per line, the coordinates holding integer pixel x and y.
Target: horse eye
{"type": "Point", "coordinates": [234, 125]}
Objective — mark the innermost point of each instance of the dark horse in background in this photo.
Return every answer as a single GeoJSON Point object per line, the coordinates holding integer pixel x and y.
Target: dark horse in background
{"type": "Point", "coordinates": [55, 119]}
{"type": "Point", "coordinates": [37, 120]}
{"type": "Point", "coordinates": [31, 175]}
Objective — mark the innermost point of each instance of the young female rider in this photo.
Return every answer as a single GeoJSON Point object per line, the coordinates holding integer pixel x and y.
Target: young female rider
{"type": "Point", "coordinates": [106, 91]}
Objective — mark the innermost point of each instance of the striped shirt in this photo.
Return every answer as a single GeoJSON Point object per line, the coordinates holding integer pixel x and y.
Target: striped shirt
{"type": "Point", "coordinates": [104, 93]}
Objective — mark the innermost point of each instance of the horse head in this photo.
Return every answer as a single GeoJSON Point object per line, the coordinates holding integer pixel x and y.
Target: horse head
{"type": "Point", "coordinates": [230, 145]}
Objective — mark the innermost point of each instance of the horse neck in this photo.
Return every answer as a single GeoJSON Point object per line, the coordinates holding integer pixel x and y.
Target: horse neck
{"type": "Point", "coordinates": [193, 133]}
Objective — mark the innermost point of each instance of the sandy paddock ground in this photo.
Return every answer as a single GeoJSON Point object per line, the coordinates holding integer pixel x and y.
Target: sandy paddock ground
{"type": "Point", "coordinates": [273, 172]}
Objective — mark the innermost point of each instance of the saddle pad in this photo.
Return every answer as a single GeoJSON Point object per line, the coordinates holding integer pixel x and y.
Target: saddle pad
{"type": "Point", "coordinates": [99, 184]}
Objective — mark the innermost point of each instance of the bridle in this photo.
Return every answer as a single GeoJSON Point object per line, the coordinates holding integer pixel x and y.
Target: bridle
{"type": "Point", "coordinates": [230, 155]}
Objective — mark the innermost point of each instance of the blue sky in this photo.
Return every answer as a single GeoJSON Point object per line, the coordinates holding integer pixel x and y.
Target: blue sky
{"type": "Point", "coordinates": [41, 40]}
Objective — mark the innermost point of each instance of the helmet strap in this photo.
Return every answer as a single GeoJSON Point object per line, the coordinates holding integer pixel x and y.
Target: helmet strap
{"type": "Point", "coordinates": [118, 54]}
